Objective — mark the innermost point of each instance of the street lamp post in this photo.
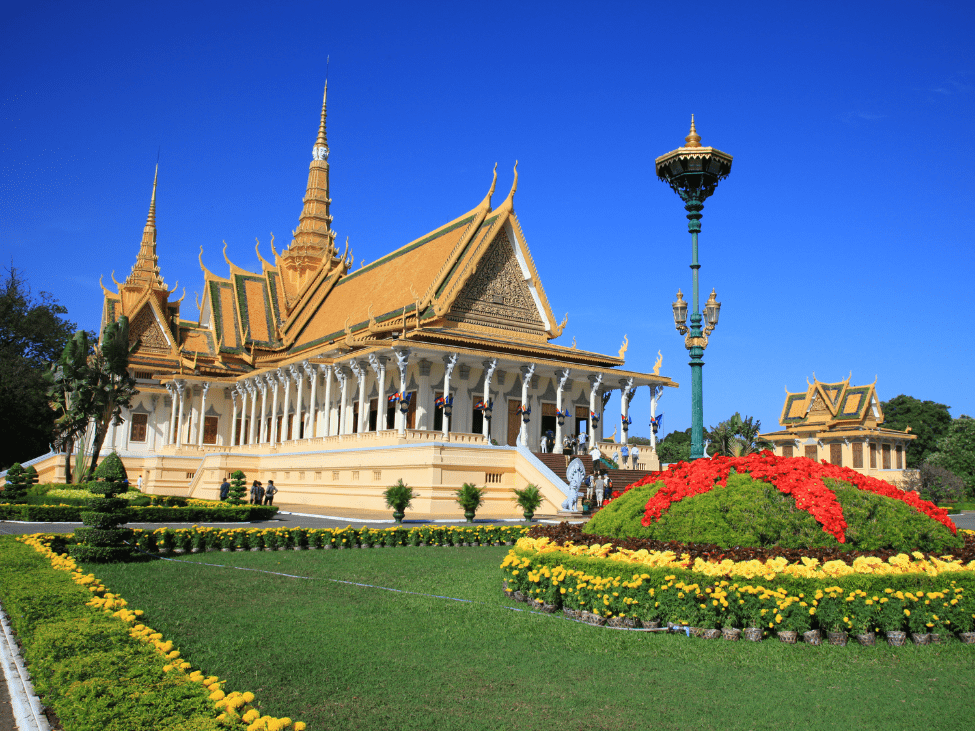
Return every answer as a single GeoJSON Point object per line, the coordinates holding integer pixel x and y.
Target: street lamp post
{"type": "Point", "coordinates": [693, 172]}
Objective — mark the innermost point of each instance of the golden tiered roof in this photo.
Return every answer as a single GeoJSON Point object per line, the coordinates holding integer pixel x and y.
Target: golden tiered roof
{"type": "Point", "coordinates": [470, 283]}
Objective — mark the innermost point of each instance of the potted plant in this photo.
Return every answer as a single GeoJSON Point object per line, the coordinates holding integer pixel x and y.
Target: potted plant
{"type": "Point", "coordinates": [470, 497]}
{"type": "Point", "coordinates": [399, 497]}
{"type": "Point", "coordinates": [528, 500]}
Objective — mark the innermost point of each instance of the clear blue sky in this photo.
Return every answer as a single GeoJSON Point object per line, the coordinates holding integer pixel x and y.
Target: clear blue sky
{"type": "Point", "coordinates": [842, 240]}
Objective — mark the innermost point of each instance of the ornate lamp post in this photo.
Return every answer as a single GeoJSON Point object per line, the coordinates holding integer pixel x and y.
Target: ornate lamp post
{"type": "Point", "coordinates": [693, 172]}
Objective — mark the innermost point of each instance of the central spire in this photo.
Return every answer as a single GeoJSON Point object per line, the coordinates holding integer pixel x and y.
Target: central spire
{"type": "Point", "coordinates": [314, 236]}
{"type": "Point", "coordinates": [145, 272]}
{"type": "Point", "coordinates": [320, 151]}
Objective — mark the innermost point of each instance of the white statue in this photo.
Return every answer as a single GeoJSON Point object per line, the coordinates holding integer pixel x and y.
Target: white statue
{"type": "Point", "coordinates": [574, 475]}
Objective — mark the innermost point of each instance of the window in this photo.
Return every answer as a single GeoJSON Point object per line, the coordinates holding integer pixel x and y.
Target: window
{"type": "Point", "coordinates": [140, 423]}
{"type": "Point", "coordinates": [900, 457]}
{"type": "Point", "coordinates": [377, 475]}
{"type": "Point", "coordinates": [811, 452]}
{"type": "Point", "coordinates": [858, 455]}
{"type": "Point", "coordinates": [873, 456]}
{"type": "Point", "coordinates": [836, 454]}
{"type": "Point", "coordinates": [492, 478]}
{"type": "Point", "coordinates": [335, 475]}
{"type": "Point", "coordinates": [514, 421]}
{"type": "Point", "coordinates": [477, 419]}
{"type": "Point", "coordinates": [786, 450]}
{"type": "Point", "coordinates": [437, 412]}
{"type": "Point", "coordinates": [210, 424]}
{"type": "Point", "coordinates": [886, 453]}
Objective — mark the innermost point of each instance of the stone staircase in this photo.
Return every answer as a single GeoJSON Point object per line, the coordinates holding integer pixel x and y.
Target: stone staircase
{"type": "Point", "coordinates": [621, 478]}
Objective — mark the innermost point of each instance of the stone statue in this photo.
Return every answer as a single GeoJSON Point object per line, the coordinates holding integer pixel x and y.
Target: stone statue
{"type": "Point", "coordinates": [574, 475]}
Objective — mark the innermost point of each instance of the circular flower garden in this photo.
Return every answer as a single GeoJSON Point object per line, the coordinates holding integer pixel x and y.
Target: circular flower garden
{"type": "Point", "coordinates": [754, 546]}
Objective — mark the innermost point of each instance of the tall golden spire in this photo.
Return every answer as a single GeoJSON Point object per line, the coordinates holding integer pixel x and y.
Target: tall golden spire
{"type": "Point", "coordinates": [314, 236]}
{"type": "Point", "coordinates": [145, 272]}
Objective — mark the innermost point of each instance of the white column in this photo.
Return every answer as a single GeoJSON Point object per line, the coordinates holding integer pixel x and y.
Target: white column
{"type": "Point", "coordinates": [181, 421]}
{"type": "Point", "coordinates": [171, 436]}
{"type": "Point", "coordinates": [203, 410]}
{"type": "Point", "coordinates": [655, 393]}
{"type": "Point", "coordinates": [626, 393]}
{"type": "Point", "coordinates": [233, 418]}
{"type": "Point", "coordinates": [252, 390]}
{"type": "Point", "coordinates": [263, 382]}
{"type": "Point", "coordinates": [594, 382]}
{"type": "Point", "coordinates": [449, 362]}
{"type": "Point", "coordinates": [282, 431]}
{"type": "Point", "coordinates": [489, 366]}
{"type": "Point", "coordinates": [378, 364]}
{"type": "Point", "coordinates": [526, 380]}
{"type": "Point", "coordinates": [359, 371]}
{"type": "Point", "coordinates": [343, 401]}
{"type": "Point", "coordinates": [326, 420]}
{"type": "Point", "coordinates": [402, 361]}
{"type": "Point", "coordinates": [310, 429]}
{"type": "Point", "coordinates": [562, 377]}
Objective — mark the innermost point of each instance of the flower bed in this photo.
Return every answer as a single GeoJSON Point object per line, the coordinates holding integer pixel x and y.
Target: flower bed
{"type": "Point", "coordinates": [920, 594]}
{"type": "Point", "coordinates": [218, 513]}
{"type": "Point", "coordinates": [763, 500]}
{"type": "Point", "coordinates": [97, 664]}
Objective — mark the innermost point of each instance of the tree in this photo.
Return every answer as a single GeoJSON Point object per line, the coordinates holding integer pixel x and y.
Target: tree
{"type": "Point", "coordinates": [936, 484]}
{"type": "Point", "coordinates": [72, 397]}
{"type": "Point", "coordinates": [33, 332]}
{"type": "Point", "coordinates": [675, 447]}
{"type": "Point", "coordinates": [736, 437]}
{"type": "Point", "coordinates": [929, 422]}
{"type": "Point", "coordinates": [956, 451]}
{"type": "Point", "coordinates": [113, 387]}
{"type": "Point", "coordinates": [237, 488]}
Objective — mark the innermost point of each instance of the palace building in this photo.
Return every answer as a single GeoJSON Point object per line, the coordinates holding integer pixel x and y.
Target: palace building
{"type": "Point", "coordinates": [433, 364]}
{"type": "Point", "coordinates": [840, 423]}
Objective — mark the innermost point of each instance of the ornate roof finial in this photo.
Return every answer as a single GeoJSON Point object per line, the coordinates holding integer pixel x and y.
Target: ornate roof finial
{"type": "Point", "coordinates": [320, 151]}
{"type": "Point", "coordinates": [145, 271]}
{"type": "Point", "coordinates": [693, 139]}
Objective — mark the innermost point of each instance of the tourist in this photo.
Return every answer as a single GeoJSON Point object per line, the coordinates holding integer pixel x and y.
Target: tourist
{"type": "Point", "coordinates": [270, 493]}
{"type": "Point", "coordinates": [257, 494]}
{"type": "Point", "coordinates": [607, 485]}
{"type": "Point", "coordinates": [624, 456]}
{"type": "Point", "coordinates": [567, 449]}
{"type": "Point", "coordinates": [589, 488]}
{"type": "Point", "coordinates": [543, 444]}
{"type": "Point", "coordinates": [224, 488]}
{"type": "Point", "coordinates": [138, 483]}
{"type": "Point", "coordinates": [600, 487]}
{"type": "Point", "coordinates": [635, 456]}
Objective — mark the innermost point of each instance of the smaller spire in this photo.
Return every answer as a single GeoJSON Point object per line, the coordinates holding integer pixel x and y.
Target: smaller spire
{"type": "Point", "coordinates": [320, 151]}
{"type": "Point", "coordinates": [693, 139]}
{"type": "Point", "coordinates": [145, 272]}
{"type": "Point", "coordinates": [151, 220]}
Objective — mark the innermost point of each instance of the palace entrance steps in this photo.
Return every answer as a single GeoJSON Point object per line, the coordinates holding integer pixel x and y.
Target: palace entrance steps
{"type": "Point", "coordinates": [621, 478]}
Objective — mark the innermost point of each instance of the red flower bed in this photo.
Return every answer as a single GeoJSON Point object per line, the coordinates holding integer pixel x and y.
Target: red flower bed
{"type": "Point", "coordinates": [799, 477]}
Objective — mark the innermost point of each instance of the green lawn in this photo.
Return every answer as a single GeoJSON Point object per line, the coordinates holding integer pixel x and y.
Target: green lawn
{"type": "Point", "coordinates": [350, 657]}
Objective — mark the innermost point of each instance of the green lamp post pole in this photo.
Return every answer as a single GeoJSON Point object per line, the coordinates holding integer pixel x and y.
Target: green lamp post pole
{"type": "Point", "coordinates": [693, 172]}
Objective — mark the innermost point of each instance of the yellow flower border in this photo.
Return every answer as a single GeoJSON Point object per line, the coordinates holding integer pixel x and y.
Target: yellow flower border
{"type": "Point", "coordinates": [234, 706]}
{"type": "Point", "coordinates": [808, 568]}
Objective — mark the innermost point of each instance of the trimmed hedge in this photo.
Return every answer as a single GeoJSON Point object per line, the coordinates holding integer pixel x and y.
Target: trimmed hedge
{"type": "Point", "coordinates": [84, 663]}
{"type": "Point", "coordinates": [192, 514]}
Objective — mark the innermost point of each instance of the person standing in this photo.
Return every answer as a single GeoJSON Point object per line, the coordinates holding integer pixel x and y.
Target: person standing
{"type": "Point", "coordinates": [635, 456]}
{"type": "Point", "coordinates": [138, 483]}
{"type": "Point", "coordinates": [543, 444]}
{"type": "Point", "coordinates": [567, 449]}
{"type": "Point", "coordinates": [600, 487]}
{"type": "Point", "coordinates": [270, 493]}
{"type": "Point", "coordinates": [224, 489]}
{"type": "Point", "coordinates": [255, 486]}
{"type": "Point", "coordinates": [607, 485]}
{"type": "Point", "coordinates": [624, 456]}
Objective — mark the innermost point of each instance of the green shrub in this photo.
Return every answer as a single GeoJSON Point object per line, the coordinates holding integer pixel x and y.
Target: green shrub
{"type": "Point", "coordinates": [111, 469]}
{"type": "Point", "coordinates": [238, 490]}
{"type": "Point", "coordinates": [753, 513]}
{"type": "Point", "coordinates": [399, 498]}
{"type": "Point", "coordinates": [470, 497]}
{"type": "Point", "coordinates": [15, 486]}
{"type": "Point", "coordinates": [528, 499]}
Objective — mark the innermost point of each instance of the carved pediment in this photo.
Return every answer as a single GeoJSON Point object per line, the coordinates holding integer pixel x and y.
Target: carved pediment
{"type": "Point", "coordinates": [144, 329]}
{"type": "Point", "coordinates": [497, 294]}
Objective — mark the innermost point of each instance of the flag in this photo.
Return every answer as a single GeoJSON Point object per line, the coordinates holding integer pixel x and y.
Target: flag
{"type": "Point", "coordinates": [394, 397]}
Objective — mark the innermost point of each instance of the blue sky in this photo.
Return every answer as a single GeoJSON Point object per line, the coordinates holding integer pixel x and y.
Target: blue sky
{"type": "Point", "coordinates": [840, 242]}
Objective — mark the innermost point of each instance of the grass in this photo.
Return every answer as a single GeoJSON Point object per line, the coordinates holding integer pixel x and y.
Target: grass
{"type": "Point", "coordinates": [340, 656]}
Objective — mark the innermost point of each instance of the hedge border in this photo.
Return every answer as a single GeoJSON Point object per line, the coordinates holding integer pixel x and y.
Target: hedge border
{"type": "Point", "coordinates": [141, 514]}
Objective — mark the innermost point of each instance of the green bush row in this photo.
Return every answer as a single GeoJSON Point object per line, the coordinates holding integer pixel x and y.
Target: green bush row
{"type": "Point", "coordinates": [208, 539]}
{"type": "Point", "coordinates": [148, 514]}
{"type": "Point", "coordinates": [851, 603]}
{"type": "Point", "coordinates": [83, 662]}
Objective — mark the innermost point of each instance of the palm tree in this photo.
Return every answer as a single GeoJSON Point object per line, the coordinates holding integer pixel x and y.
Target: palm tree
{"type": "Point", "coordinates": [737, 437]}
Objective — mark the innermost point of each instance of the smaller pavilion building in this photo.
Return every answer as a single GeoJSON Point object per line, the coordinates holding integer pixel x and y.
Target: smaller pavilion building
{"type": "Point", "coordinates": [841, 424]}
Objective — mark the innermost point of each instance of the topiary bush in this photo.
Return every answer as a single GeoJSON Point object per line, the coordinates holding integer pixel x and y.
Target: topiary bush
{"type": "Point", "coordinates": [753, 513]}
{"type": "Point", "coordinates": [15, 487]}
{"type": "Point", "coordinates": [238, 489]}
{"type": "Point", "coordinates": [102, 540]}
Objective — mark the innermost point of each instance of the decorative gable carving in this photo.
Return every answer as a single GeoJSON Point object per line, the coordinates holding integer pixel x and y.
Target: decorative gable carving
{"type": "Point", "coordinates": [145, 330]}
{"type": "Point", "coordinates": [497, 295]}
